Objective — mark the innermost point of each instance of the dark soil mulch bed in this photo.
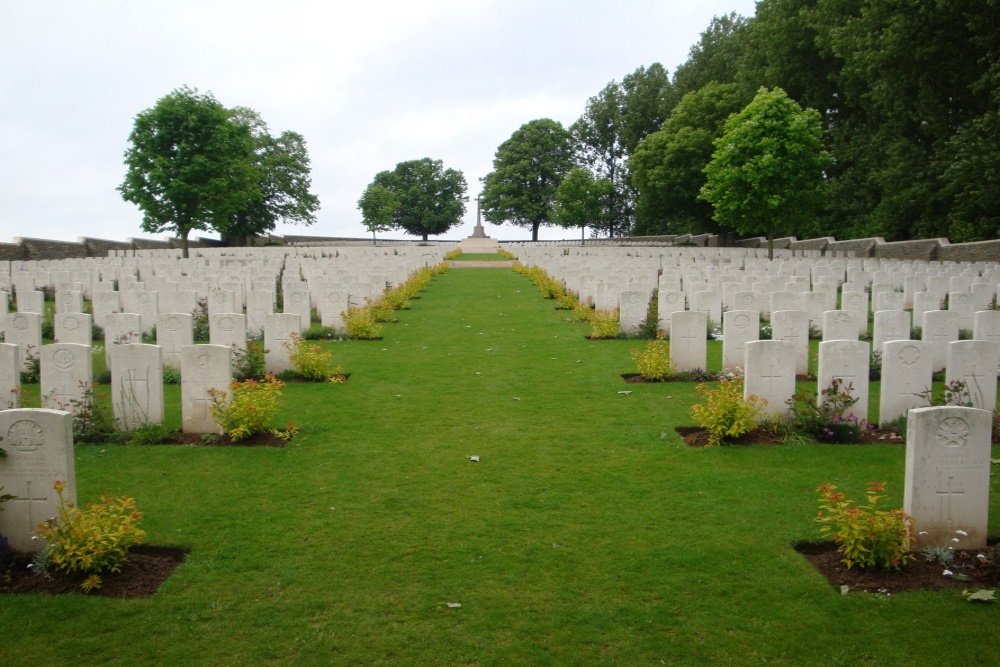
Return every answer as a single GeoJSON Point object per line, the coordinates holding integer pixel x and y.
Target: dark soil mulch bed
{"type": "Point", "coordinates": [695, 436]}
{"type": "Point", "coordinates": [635, 378]}
{"type": "Point", "coordinates": [146, 568]}
{"type": "Point", "coordinates": [265, 439]}
{"type": "Point", "coordinates": [969, 571]}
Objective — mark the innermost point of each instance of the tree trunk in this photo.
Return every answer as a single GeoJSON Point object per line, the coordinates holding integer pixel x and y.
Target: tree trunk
{"type": "Point", "coordinates": [425, 237]}
{"type": "Point", "coordinates": [184, 243]}
{"type": "Point", "coordinates": [534, 230]}
{"type": "Point", "coordinates": [770, 242]}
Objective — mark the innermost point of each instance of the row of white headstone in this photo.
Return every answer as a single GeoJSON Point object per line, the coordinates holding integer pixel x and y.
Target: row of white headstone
{"type": "Point", "coordinates": [39, 441]}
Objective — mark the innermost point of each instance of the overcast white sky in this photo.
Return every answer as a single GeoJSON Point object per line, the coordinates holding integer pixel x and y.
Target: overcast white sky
{"type": "Point", "coordinates": [367, 84]}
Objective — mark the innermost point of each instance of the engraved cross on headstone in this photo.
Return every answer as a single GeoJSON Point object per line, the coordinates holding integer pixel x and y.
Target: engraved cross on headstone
{"type": "Point", "coordinates": [947, 496]}
{"type": "Point", "coordinates": [33, 521]}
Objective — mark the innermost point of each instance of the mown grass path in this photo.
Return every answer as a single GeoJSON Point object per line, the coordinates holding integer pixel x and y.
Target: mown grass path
{"type": "Point", "coordinates": [587, 533]}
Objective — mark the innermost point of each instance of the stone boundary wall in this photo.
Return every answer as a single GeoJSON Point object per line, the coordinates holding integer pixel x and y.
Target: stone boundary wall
{"type": "Point", "coordinates": [25, 249]}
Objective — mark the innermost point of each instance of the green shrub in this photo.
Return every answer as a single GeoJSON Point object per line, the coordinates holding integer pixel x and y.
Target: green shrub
{"type": "Point", "coordinates": [653, 363]}
{"type": "Point", "coordinates": [826, 421]}
{"type": "Point", "coordinates": [249, 364]}
{"type": "Point", "coordinates": [311, 362]}
{"type": "Point", "coordinates": [604, 324]}
{"type": "Point", "coordinates": [248, 409]}
{"type": "Point", "coordinates": [93, 540]}
{"type": "Point", "coordinates": [868, 536]}
{"type": "Point", "coordinates": [725, 414]}
{"type": "Point", "coordinates": [360, 324]}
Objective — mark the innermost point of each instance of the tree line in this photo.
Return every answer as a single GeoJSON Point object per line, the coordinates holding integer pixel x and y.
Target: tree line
{"type": "Point", "coordinates": [891, 128]}
{"type": "Point", "coordinates": [848, 118]}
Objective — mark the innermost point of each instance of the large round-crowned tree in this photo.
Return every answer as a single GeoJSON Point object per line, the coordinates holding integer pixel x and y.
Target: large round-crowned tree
{"type": "Point", "coordinates": [430, 199]}
{"type": "Point", "coordinates": [527, 171]}
{"type": "Point", "coordinates": [188, 166]}
{"type": "Point", "coordinates": [766, 174]}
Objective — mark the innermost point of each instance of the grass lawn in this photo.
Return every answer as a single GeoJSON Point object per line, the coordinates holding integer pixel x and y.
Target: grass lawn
{"type": "Point", "coordinates": [587, 534]}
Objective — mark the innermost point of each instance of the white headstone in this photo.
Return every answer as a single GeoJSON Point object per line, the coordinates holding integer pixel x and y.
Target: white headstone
{"type": "Point", "coordinates": [907, 367]}
{"type": "Point", "coordinates": [667, 303]}
{"type": "Point", "coordinates": [39, 446]}
{"type": "Point", "coordinates": [278, 331]}
{"type": "Point", "coordinates": [947, 479]}
{"type": "Point", "coordinates": [770, 373]}
{"type": "Point", "coordinates": [332, 304]}
{"type": "Point", "coordinates": [297, 301]}
{"type": "Point", "coordinates": [739, 327]}
{"type": "Point", "coordinates": [173, 332]}
{"type": "Point", "coordinates": [203, 367]}
{"type": "Point", "coordinates": [67, 372]}
{"type": "Point", "coordinates": [229, 329]}
{"type": "Point", "coordinates": [10, 376]}
{"type": "Point", "coordinates": [25, 331]}
{"type": "Point", "coordinates": [688, 340]}
{"type": "Point", "coordinates": [974, 363]}
{"type": "Point", "coordinates": [137, 385]}
{"type": "Point", "coordinates": [939, 327]}
{"type": "Point", "coordinates": [890, 325]}
{"type": "Point", "coordinates": [793, 326]}
{"type": "Point", "coordinates": [849, 362]}
{"type": "Point", "coordinates": [986, 325]}
{"type": "Point", "coordinates": [633, 310]}
{"type": "Point", "coordinates": [73, 328]}
{"type": "Point", "coordinates": [840, 325]}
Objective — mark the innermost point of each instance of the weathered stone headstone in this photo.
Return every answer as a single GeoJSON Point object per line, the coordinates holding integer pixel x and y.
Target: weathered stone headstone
{"type": "Point", "coordinates": [633, 308]}
{"type": "Point", "coordinates": [770, 373]}
{"type": "Point", "coordinates": [229, 329]}
{"type": "Point", "coordinates": [906, 378]}
{"type": "Point", "coordinates": [986, 325]}
{"type": "Point", "coordinates": [738, 328]}
{"type": "Point", "coordinates": [25, 331]}
{"type": "Point", "coordinates": [260, 304]}
{"type": "Point", "coordinates": [688, 340]}
{"type": "Point", "coordinates": [332, 303]}
{"type": "Point", "coordinates": [73, 328]}
{"type": "Point", "coordinates": [847, 361]}
{"type": "Point", "coordinates": [840, 325]}
{"type": "Point", "coordinates": [137, 385]}
{"type": "Point", "coordinates": [39, 446]}
{"type": "Point", "coordinates": [974, 363]}
{"type": "Point", "coordinates": [203, 367]}
{"type": "Point", "coordinates": [947, 479]}
{"type": "Point", "coordinates": [278, 331]}
{"type": "Point", "coordinates": [940, 327]}
{"type": "Point", "coordinates": [297, 301]}
{"type": "Point", "coordinates": [67, 371]}
{"type": "Point", "coordinates": [10, 378]}
{"type": "Point", "coordinates": [710, 302]}
{"type": "Point", "coordinates": [30, 301]}
{"type": "Point", "coordinates": [668, 303]}
{"type": "Point", "coordinates": [222, 301]}
{"type": "Point", "coordinates": [793, 326]}
{"type": "Point", "coordinates": [890, 325]}
{"type": "Point", "coordinates": [173, 332]}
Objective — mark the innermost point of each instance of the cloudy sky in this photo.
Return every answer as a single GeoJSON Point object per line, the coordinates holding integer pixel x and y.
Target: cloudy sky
{"type": "Point", "coordinates": [367, 84]}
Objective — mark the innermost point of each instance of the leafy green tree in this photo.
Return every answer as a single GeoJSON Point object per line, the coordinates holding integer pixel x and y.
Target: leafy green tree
{"type": "Point", "coordinates": [188, 166]}
{"type": "Point", "coordinates": [378, 205]}
{"type": "Point", "coordinates": [668, 166]}
{"type": "Point", "coordinates": [283, 181]}
{"type": "Point", "coordinates": [766, 174]}
{"type": "Point", "coordinates": [527, 170]}
{"type": "Point", "coordinates": [431, 198]}
{"type": "Point", "coordinates": [582, 200]}
{"type": "Point", "coordinates": [718, 56]}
